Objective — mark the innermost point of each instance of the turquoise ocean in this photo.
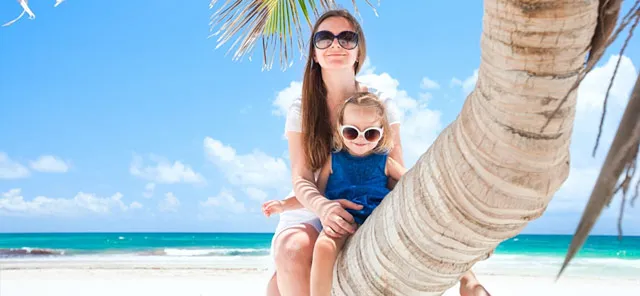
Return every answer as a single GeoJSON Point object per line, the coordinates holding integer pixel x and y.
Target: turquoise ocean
{"type": "Point", "coordinates": [523, 254]}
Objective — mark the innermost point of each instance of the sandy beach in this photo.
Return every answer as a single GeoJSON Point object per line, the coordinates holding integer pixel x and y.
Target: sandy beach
{"type": "Point", "coordinates": [238, 277]}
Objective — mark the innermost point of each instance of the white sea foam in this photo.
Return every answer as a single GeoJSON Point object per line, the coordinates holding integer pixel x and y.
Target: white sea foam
{"type": "Point", "coordinates": [525, 265]}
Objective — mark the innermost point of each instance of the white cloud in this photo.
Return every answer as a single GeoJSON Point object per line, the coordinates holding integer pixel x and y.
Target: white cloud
{"type": "Point", "coordinates": [256, 194]}
{"type": "Point", "coordinates": [255, 169]}
{"type": "Point", "coordinates": [149, 189]}
{"type": "Point", "coordinates": [575, 192]}
{"type": "Point", "coordinates": [14, 204]}
{"type": "Point", "coordinates": [285, 97]}
{"type": "Point", "coordinates": [163, 171]}
{"type": "Point", "coordinates": [425, 97]}
{"type": "Point", "coordinates": [382, 82]}
{"type": "Point", "coordinates": [224, 202]}
{"type": "Point", "coordinates": [135, 205]}
{"type": "Point", "coordinates": [592, 90]}
{"type": "Point", "coordinates": [10, 169]}
{"type": "Point", "coordinates": [367, 67]}
{"type": "Point", "coordinates": [429, 84]}
{"type": "Point", "coordinates": [169, 204]}
{"type": "Point", "coordinates": [455, 82]}
{"type": "Point", "coordinates": [468, 84]}
{"type": "Point", "coordinates": [49, 164]}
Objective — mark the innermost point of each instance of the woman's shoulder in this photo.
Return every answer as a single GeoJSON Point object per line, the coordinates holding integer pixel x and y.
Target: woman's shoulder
{"type": "Point", "coordinates": [293, 120]}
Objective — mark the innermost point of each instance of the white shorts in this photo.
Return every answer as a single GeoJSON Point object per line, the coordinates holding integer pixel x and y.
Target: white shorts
{"type": "Point", "coordinates": [293, 218]}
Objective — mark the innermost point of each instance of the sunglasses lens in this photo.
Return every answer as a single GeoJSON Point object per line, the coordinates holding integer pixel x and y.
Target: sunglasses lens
{"type": "Point", "coordinates": [348, 40]}
{"type": "Point", "coordinates": [372, 135]}
{"type": "Point", "coordinates": [349, 133]}
{"type": "Point", "coordinates": [323, 39]}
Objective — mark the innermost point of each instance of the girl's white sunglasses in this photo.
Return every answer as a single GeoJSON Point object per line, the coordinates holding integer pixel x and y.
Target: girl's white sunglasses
{"type": "Point", "coordinates": [350, 133]}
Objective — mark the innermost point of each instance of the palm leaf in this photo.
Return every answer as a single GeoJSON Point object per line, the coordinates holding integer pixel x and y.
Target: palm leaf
{"type": "Point", "coordinates": [277, 23]}
{"type": "Point", "coordinates": [26, 10]}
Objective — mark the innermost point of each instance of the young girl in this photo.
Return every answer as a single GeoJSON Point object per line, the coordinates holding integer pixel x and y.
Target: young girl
{"type": "Point", "coordinates": [357, 171]}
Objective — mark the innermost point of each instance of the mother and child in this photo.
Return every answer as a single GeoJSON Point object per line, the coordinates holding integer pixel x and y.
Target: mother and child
{"type": "Point", "coordinates": [346, 155]}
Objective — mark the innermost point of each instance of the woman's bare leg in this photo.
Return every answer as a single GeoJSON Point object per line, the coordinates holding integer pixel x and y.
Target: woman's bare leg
{"type": "Point", "coordinates": [325, 253]}
{"type": "Point", "coordinates": [293, 252]}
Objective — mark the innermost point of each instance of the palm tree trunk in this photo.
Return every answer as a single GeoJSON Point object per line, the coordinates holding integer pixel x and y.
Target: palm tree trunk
{"type": "Point", "coordinates": [491, 171]}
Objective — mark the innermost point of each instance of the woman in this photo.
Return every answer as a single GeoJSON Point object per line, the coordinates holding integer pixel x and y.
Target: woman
{"type": "Point", "coordinates": [337, 51]}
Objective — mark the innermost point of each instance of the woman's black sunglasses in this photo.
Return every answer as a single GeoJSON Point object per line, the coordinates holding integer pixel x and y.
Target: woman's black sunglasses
{"type": "Point", "coordinates": [347, 39]}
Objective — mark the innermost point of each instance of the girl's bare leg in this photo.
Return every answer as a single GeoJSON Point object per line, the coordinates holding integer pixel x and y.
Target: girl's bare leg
{"type": "Point", "coordinates": [272, 287]}
{"type": "Point", "coordinates": [325, 252]}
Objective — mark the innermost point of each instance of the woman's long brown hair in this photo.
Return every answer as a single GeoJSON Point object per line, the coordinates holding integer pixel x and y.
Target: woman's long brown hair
{"type": "Point", "coordinates": [317, 133]}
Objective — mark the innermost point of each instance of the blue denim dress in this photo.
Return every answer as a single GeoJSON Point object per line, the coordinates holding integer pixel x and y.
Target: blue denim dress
{"type": "Point", "coordinates": [359, 179]}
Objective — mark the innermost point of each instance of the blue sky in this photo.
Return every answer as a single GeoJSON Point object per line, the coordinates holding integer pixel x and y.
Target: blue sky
{"type": "Point", "coordinates": [122, 116]}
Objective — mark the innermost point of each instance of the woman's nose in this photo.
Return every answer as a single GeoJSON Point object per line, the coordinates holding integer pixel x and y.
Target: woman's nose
{"type": "Point", "coordinates": [335, 43]}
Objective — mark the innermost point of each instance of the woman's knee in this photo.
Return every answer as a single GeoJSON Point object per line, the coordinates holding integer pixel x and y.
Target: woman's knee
{"type": "Point", "coordinates": [294, 246]}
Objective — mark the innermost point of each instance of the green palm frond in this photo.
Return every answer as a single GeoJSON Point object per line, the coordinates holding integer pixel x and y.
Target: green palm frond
{"type": "Point", "coordinates": [272, 21]}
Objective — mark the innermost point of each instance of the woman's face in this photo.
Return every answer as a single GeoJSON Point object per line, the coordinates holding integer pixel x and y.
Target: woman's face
{"type": "Point", "coordinates": [336, 56]}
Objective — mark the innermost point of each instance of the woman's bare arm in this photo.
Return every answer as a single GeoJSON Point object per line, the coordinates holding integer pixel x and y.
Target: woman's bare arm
{"type": "Point", "coordinates": [332, 213]}
{"type": "Point", "coordinates": [304, 185]}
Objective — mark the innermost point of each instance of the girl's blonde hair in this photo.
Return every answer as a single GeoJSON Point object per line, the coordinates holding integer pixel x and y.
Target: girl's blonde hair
{"type": "Point", "coordinates": [369, 100]}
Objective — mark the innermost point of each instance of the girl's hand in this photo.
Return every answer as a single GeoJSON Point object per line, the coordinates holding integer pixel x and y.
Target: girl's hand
{"type": "Point", "coordinates": [336, 221]}
{"type": "Point", "coordinates": [272, 207]}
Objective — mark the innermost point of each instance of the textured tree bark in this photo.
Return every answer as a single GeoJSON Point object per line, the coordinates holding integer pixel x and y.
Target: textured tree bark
{"type": "Point", "coordinates": [491, 171]}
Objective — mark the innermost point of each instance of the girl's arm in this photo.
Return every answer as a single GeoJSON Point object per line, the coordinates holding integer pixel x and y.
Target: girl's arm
{"type": "Point", "coordinates": [291, 203]}
{"type": "Point", "coordinates": [396, 151]}
{"type": "Point", "coordinates": [279, 206]}
{"type": "Point", "coordinates": [394, 170]}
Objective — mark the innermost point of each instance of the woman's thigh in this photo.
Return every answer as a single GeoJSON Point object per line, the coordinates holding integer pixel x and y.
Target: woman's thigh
{"type": "Point", "coordinates": [294, 245]}
{"type": "Point", "coordinates": [293, 220]}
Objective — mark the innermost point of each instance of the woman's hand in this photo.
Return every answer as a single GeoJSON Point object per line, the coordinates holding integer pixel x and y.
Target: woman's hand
{"type": "Point", "coordinates": [336, 221]}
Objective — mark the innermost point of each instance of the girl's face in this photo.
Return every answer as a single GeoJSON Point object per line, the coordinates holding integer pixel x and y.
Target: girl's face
{"type": "Point", "coordinates": [367, 126]}
{"type": "Point", "coordinates": [335, 53]}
